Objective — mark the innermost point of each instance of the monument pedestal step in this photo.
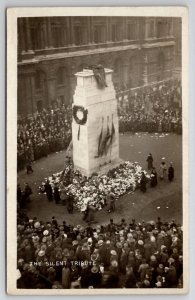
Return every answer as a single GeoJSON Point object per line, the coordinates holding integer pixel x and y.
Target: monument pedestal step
{"type": "Point", "coordinates": [103, 169]}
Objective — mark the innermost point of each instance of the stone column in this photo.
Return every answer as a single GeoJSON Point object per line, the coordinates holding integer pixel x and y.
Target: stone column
{"type": "Point", "coordinates": [72, 36]}
{"type": "Point", "coordinates": [171, 29]}
{"type": "Point", "coordinates": [92, 29]}
{"type": "Point", "coordinates": [146, 33]}
{"type": "Point", "coordinates": [154, 28]}
{"type": "Point", "coordinates": [124, 28]}
{"type": "Point", "coordinates": [28, 37]}
{"type": "Point", "coordinates": [108, 29]}
{"type": "Point", "coordinates": [49, 33]}
{"type": "Point", "coordinates": [68, 31]}
{"type": "Point", "coordinates": [45, 34]}
{"type": "Point", "coordinates": [22, 35]}
{"type": "Point", "coordinates": [88, 30]}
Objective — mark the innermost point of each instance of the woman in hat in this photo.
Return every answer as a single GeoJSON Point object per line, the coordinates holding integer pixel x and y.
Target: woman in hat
{"type": "Point", "coordinates": [163, 170]}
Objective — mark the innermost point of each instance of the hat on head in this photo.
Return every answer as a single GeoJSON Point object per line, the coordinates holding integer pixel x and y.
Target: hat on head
{"type": "Point", "coordinates": [171, 260]}
{"type": "Point", "coordinates": [140, 242]}
{"type": "Point", "coordinates": [85, 246]}
{"type": "Point", "coordinates": [100, 242]}
{"type": "Point", "coordinates": [119, 245]}
{"type": "Point", "coordinates": [95, 269]}
{"type": "Point", "coordinates": [41, 253]}
{"type": "Point", "coordinates": [35, 239]}
{"type": "Point", "coordinates": [153, 258]}
{"type": "Point", "coordinates": [45, 232]}
{"type": "Point", "coordinates": [161, 266]}
{"type": "Point", "coordinates": [114, 263]}
{"type": "Point", "coordinates": [75, 243]}
{"type": "Point", "coordinates": [44, 239]}
{"type": "Point", "coordinates": [163, 247]}
{"type": "Point", "coordinates": [37, 224]}
{"type": "Point", "coordinates": [94, 256]}
{"type": "Point", "coordinates": [113, 252]}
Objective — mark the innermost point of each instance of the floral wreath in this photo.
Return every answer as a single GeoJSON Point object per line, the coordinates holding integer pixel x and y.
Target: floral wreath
{"type": "Point", "coordinates": [80, 114]}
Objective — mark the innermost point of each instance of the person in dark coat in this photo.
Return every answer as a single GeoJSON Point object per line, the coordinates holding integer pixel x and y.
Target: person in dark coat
{"type": "Point", "coordinates": [48, 190]}
{"type": "Point", "coordinates": [90, 214]}
{"type": "Point", "coordinates": [171, 172]}
{"type": "Point", "coordinates": [27, 192]}
{"type": "Point", "coordinates": [70, 200]}
{"type": "Point", "coordinates": [111, 202]}
{"type": "Point", "coordinates": [150, 161]}
{"type": "Point", "coordinates": [130, 278]}
{"type": "Point", "coordinates": [143, 183]}
{"type": "Point", "coordinates": [56, 194]}
{"type": "Point", "coordinates": [19, 194]}
{"type": "Point", "coordinates": [154, 180]}
{"type": "Point", "coordinates": [29, 168]}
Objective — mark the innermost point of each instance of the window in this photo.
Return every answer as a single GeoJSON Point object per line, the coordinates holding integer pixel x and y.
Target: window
{"type": "Point", "coordinates": [57, 35]}
{"type": "Point", "coordinates": [36, 34]}
{"type": "Point", "coordinates": [151, 32]}
{"type": "Point", "coordinates": [80, 35]}
{"type": "Point", "coordinates": [131, 31]}
{"type": "Point", "coordinates": [114, 33]}
{"type": "Point", "coordinates": [161, 29]}
{"type": "Point", "coordinates": [98, 34]}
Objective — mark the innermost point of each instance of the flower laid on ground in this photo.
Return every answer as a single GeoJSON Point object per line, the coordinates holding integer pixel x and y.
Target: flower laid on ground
{"type": "Point", "coordinates": [95, 189]}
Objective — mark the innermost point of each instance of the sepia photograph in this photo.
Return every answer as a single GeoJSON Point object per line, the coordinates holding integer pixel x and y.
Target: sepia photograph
{"type": "Point", "coordinates": [97, 151]}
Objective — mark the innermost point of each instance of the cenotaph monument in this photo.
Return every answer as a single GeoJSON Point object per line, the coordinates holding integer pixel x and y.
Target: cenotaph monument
{"type": "Point", "coordinates": [95, 132]}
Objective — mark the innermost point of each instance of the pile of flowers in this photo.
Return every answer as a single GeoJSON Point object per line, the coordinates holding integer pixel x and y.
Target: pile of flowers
{"type": "Point", "coordinates": [94, 190]}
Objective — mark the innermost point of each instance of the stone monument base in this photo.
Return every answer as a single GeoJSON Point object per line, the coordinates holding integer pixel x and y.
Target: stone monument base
{"type": "Point", "coordinates": [103, 169]}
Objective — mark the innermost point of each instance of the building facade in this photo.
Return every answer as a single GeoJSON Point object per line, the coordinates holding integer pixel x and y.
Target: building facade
{"type": "Point", "coordinates": [140, 50]}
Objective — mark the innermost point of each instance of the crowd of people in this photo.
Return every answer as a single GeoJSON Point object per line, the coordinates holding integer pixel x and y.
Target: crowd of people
{"type": "Point", "coordinates": [153, 109]}
{"type": "Point", "coordinates": [43, 133]}
{"type": "Point", "coordinates": [127, 254]}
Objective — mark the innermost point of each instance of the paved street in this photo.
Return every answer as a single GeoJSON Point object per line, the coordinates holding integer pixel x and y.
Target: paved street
{"type": "Point", "coordinates": [165, 200]}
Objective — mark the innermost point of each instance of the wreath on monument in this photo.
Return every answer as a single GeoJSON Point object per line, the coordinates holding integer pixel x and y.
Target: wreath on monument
{"type": "Point", "coordinates": [80, 116]}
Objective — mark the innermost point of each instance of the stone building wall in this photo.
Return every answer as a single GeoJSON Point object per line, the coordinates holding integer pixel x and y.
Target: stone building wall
{"type": "Point", "coordinates": [51, 50]}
